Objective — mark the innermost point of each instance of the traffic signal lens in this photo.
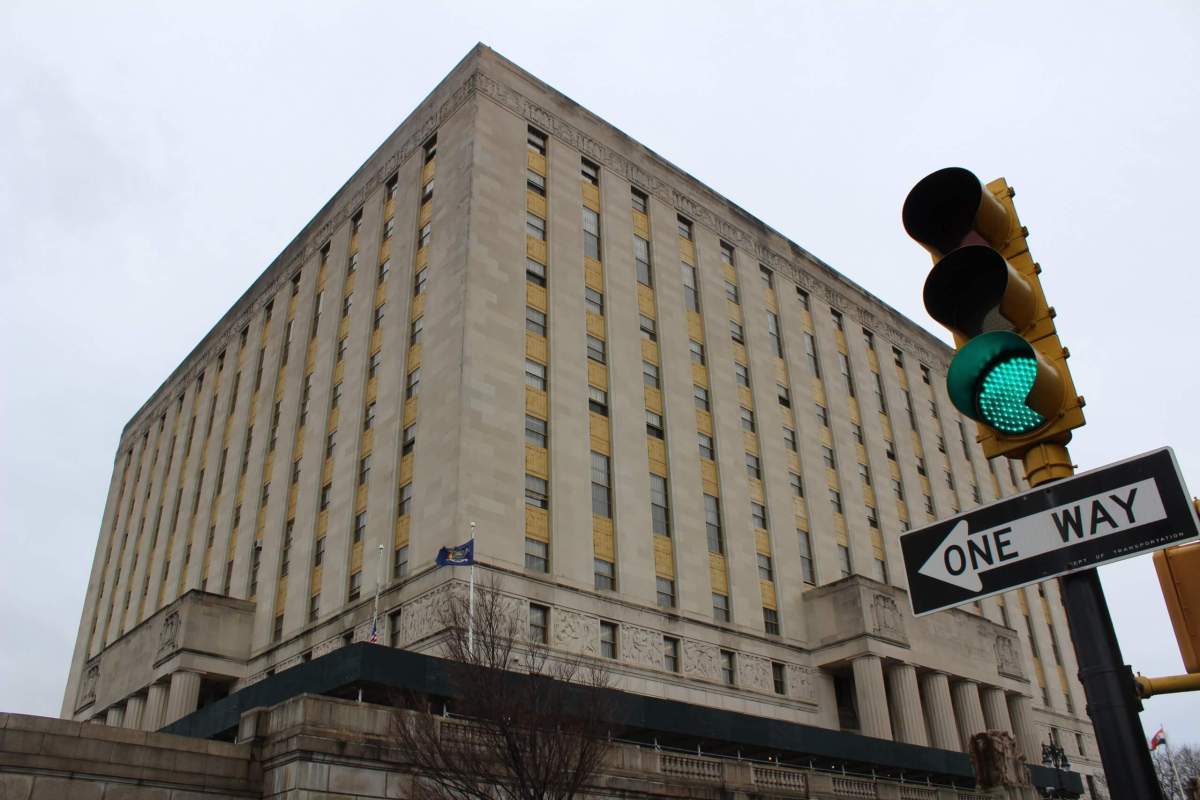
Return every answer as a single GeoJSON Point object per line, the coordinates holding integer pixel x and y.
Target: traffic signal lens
{"type": "Point", "coordinates": [1003, 393]}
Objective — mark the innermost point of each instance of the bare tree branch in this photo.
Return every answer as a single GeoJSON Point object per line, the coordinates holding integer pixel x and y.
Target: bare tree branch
{"type": "Point", "coordinates": [527, 723]}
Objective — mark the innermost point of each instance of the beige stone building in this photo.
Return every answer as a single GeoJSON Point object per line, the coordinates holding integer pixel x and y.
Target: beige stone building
{"type": "Point", "coordinates": [685, 443]}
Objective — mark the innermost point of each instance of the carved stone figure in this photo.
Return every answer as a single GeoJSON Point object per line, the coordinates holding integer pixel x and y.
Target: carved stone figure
{"type": "Point", "coordinates": [888, 621]}
{"type": "Point", "coordinates": [641, 646]}
{"type": "Point", "coordinates": [576, 632]}
{"type": "Point", "coordinates": [802, 683]}
{"type": "Point", "coordinates": [87, 689]}
{"type": "Point", "coordinates": [1007, 660]}
{"type": "Point", "coordinates": [700, 660]}
{"type": "Point", "coordinates": [755, 673]}
{"type": "Point", "coordinates": [169, 635]}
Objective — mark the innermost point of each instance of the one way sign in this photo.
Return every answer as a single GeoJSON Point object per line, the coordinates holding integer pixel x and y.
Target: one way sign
{"type": "Point", "coordinates": [1107, 514]}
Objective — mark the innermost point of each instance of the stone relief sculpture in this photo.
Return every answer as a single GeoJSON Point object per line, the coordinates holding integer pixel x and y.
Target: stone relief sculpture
{"type": "Point", "coordinates": [576, 632]}
{"type": "Point", "coordinates": [754, 673]}
{"type": "Point", "coordinates": [169, 635]}
{"type": "Point", "coordinates": [700, 660]}
{"type": "Point", "coordinates": [423, 615]}
{"type": "Point", "coordinates": [1007, 660]}
{"type": "Point", "coordinates": [87, 689]}
{"type": "Point", "coordinates": [802, 683]}
{"type": "Point", "coordinates": [641, 646]}
{"type": "Point", "coordinates": [888, 621]}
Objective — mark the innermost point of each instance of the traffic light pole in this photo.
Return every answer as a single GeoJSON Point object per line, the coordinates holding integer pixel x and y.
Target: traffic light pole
{"type": "Point", "coordinates": [1108, 683]}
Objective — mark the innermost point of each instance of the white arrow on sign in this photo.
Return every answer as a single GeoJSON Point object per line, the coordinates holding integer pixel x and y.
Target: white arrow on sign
{"type": "Point", "coordinates": [964, 554]}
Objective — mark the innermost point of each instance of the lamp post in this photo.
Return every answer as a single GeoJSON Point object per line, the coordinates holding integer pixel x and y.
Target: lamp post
{"type": "Point", "coordinates": [1054, 756]}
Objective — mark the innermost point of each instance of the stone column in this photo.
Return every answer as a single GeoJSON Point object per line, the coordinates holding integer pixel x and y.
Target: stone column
{"type": "Point", "coordinates": [907, 717]}
{"type": "Point", "coordinates": [115, 716]}
{"type": "Point", "coordinates": [1020, 711]}
{"type": "Point", "coordinates": [184, 696]}
{"type": "Point", "coordinates": [995, 709]}
{"type": "Point", "coordinates": [967, 710]}
{"type": "Point", "coordinates": [871, 695]}
{"type": "Point", "coordinates": [134, 708]}
{"type": "Point", "coordinates": [939, 710]}
{"type": "Point", "coordinates": [156, 706]}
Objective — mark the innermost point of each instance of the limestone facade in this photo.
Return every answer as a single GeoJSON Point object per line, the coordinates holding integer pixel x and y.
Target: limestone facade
{"type": "Point", "coordinates": [365, 402]}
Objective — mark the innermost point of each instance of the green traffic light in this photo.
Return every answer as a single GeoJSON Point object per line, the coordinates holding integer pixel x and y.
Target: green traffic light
{"type": "Point", "coordinates": [990, 380]}
{"type": "Point", "coordinates": [1002, 394]}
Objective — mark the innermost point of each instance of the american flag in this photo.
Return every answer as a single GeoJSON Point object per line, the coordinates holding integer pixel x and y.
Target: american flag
{"type": "Point", "coordinates": [374, 631]}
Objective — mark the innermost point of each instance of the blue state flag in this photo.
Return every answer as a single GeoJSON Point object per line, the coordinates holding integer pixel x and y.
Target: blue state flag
{"type": "Point", "coordinates": [461, 556]}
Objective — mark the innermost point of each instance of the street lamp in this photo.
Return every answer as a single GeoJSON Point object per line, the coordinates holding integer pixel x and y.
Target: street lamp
{"type": "Point", "coordinates": [1054, 756]}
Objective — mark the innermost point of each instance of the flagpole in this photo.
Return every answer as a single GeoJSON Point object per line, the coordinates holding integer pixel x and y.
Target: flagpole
{"type": "Point", "coordinates": [378, 587]}
{"type": "Point", "coordinates": [1171, 761]}
{"type": "Point", "coordinates": [471, 602]}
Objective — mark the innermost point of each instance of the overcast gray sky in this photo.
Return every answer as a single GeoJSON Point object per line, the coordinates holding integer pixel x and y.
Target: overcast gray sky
{"type": "Point", "coordinates": [155, 158]}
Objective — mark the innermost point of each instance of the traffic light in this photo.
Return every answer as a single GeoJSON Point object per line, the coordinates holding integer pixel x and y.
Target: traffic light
{"type": "Point", "coordinates": [1178, 573]}
{"type": "Point", "coordinates": [1009, 373]}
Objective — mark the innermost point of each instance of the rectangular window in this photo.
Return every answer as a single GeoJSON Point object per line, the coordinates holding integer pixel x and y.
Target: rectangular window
{"type": "Point", "coordinates": [649, 329]}
{"type": "Point", "coordinates": [415, 331]}
{"type": "Point", "coordinates": [691, 296]}
{"type": "Point", "coordinates": [789, 439]}
{"type": "Point", "coordinates": [700, 397]}
{"type": "Point", "coordinates": [753, 467]}
{"type": "Point", "coordinates": [654, 424]}
{"type": "Point", "coordinates": [423, 237]}
{"type": "Point", "coordinates": [758, 514]}
{"type": "Point", "coordinates": [873, 517]}
{"type": "Point", "coordinates": [829, 458]}
{"type": "Point", "coordinates": [741, 374]}
{"type": "Point", "coordinates": [768, 277]}
{"type": "Point", "coordinates": [601, 489]}
{"type": "Point", "coordinates": [684, 226]}
{"type": "Point", "coordinates": [747, 419]}
{"type": "Point", "coordinates": [670, 646]}
{"type": "Point", "coordinates": [650, 374]}
{"type": "Point", "coordinates": [810, 352]}
{"type": "Point", "coordinates": [375, 362]}
{"type": "Point", "coordinates": [535, 183]}
{"type": "Point", "coordinates": [377, 320]}
{"type": "Point", "coordinates": [641, 261]}
{"type": "Point", "coordinates": [535, 227]}
{"type": "Point", "coordinates": [597, 401]}
{"type": "Point", "coordinates": [355, 585]}
{"type": "Point", "coordinates": [404, 506]}
{"type": "Point", "coordinates": [728, 676]}
{"type": "Point", "coordinates": [535, 431]}
{"type": "Point", "coordinates": [419, 281]}
{"type": "Point", "coordinates": [412, 384]}
{"type": "Point", "coordinates": [844, 559]}
{"type": "Point", "coordinates": [604, 573]}
{"type": "Point", "coordinates": [369, 416]}
{"type": "Point", "coordinates": [591, 234]}
{"type": "Point", "coordinates": [727, 253]}
{"type": "Point", "coordinates": [697, 351]}
{"type": "Point", "coordinates": [706, 446]}
{"type": "Point", "coordinates": [864, 474]}
{"type": "Point", "coordinates": [319, 552]}
{"type": "Point", "coordinates": [537, 492]}
{"type": "Point", "coordinates": [712, 524]}
{"type": "Point", "coordinates": [807, 572]}
{"type": "Point", "coordinates": [773, 331]}
{"type": "Point", "coordinates": [326, 494]}
{"type": "Point", "coordinates": [660, 506]}
{"type": "Point", "coordinates": [836, 316]}
{"type": "Point", "coordinates": [608, 639]}
{"type": "Point", "coordinates": [736, 332]}
{"type": "Point", "coordinates": [595, 349]}
{"type": "Point", "coordinates": [857, 430]}
{"type": "Point", "coordinates": [731, 292]}
{"type": "Point", "coordinates": [536, 141]}
{"type": "Point", "coordinates": [665, 588]}
{"type": "Point", "coordinates": [364, 469]}
{"type": "Point", "coordinates": [385, 268]}
{"type": "Point", "coordinates": [537, 555]}
{"type": "Point", "coordinates": [766, 571]}
{"type": "Point", "coordinates": [409, 440]}
{"type": "Point", "coordinates": [771, 621]}
{"type": "Point", "coordinates": [925, 378]}
{"type": "Point", "coordinates": [360, 526]}
{"type": "Point", "coordinates": [593, 301]}
{"type": "Point", "coordinates": [535, 321]}
{"type": "Point", "coordinates": [898, 357]}
{"type": "Point", "coordinates": [539, 623]}
{"type": "Point", "coordinates": [777, 677]}
{"type": "Point", "coordinates": [314, 607]}
{"type": "Point", "coordinates": [535, 273]}
{"type": "Point", "coordinates": [640, 200]}
{"type": "Point", "coordinates": [797, 484]}
{"type": "Point", "coordinates": [720, 604]}
{"type": "Point", "coordinates": [590, 172]}
{"type": "Point", "coordinates": [835, 500]}
{"type": "Point", "coordinates": [400, 561]}
{"type": "Point", "coordinates": [431, 149]}
{"type": "Point", "coordinates": [535, 375]}
{"type": "Point", "coordinates": [785, 397]}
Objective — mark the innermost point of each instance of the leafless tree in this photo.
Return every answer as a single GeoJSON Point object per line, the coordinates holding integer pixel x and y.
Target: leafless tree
{"type": "Point", "coordinates": [525, 723]}
{"type": "Point", "coordinates": [1187, 761]}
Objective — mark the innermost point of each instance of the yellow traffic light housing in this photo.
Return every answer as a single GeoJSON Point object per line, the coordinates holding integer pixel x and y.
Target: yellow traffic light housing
{"type": "Point", "coordinates": [1179, 575]}
{"type": "Point", "coordinates": [1009, 373]}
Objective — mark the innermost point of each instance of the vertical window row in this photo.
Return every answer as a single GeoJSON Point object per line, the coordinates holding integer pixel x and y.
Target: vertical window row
{"type": "Point", "coordinates": [600, 437]}
{"type": "Point", "coordinates": [878, 563]}
{"type": "Point", "coordinates": [656, 449]}
{"type": "Point", "coordinates": [537, 351]}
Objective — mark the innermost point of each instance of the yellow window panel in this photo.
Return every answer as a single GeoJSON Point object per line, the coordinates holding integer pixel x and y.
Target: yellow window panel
{"type": "Point", "coordinates": [893, 468]}
{"type": "Point", "coordinates": [646, 301]}
{"type": "Point", "coordinates": [367, 443]}
{"type": "Point", "coordinates": [269, 464]}
{"type": "Point", "coordinates": [426, 214]}
{"type": "Point", "coordinates": [756, 491]}
{"type": "Point", "coordinates": [591, 195]}
{"type": "Point", "coordinates": [291, 508]}
{"type": "Point", "coordinates": [535, 404]}
{"type": "Point", "coordinates": [762, 542]}
{"type": "Point", "coordinates": [402, 526]}
{"type": "Point", "coordinates": [327, 471]}
{"type": "Point", "coordinates": [695, 326]}
{"type": "Point", "coordinates": [291, 310]}
{"type": "Point", "coordinates": [406, 469]}
{"type": "Point", "coordinates": [281, 595]}
{"type": "Point", "coordinates": [422, 258]}
{"type": "Point", "coordinates": [333, 420]}
{"type": "Point", "coordinates": [641, 225]}
{"type": "Point", "coordinates": [924, 481]}
{"type": "Point", "coordinates": [348, 286]}
{"type": "Point", "coordinates": [343, 327]}
{"type": "Point", "coordinates": [356, 556]}
{"type": "Point", "coordinates": [794, 461]}
{"type": "Point", "coordinates": [656, 453]}
{"type": "Point", "coordinates": [873, 360]}
{"type": "Point", "coordinates": [839, 529]}
{"type": "Point", "coordinates": [718, 578]}
{"type": "Point", "coordinates": [818, 392]}
{"type": "Point", "coordinates": [373, 383]}
{"type": "Point", "coordinates": [877, 541]}
{"type": "Point", "coordinates": [535, 296]}
{"type": "Point", "coordinates": [704, 422]}
{"type": "Point", "coordinates": [537, 524]}
{"type": "Point", "coordinates": [536, 347]}
{"type": "Point", "coordinates": [597, 375]}
{"type": "Point", "coordinates": [536, 162]}
{"type": "Point", "coordinates": [537, 461]}
{"type": "Point", "coordinates": [855, 413]}
{"type": "Point", "coordinates": [427, 171]}
{"type": "Point", "coordinates": [314, 586]}
{"type": "Point", "coordinates": [380, 295]}
{"type": "Point", "coordinates": [653, 399]}
{"type": "Point", "coordinates": [734, 311]}
{"type": "Point", "coordinates": [360, 499]}
{"type": "Point", "coordinates": [687, 251]}
{"type": "Point", "coordinates": [826, 437]}
{"type": "Point", "coordinates": [339, 371]}
{"type": "Point", "coordinates": [918, 450]}
{"type": "Point", "coordinates": [750, 442]}
{"type": "Point", "coordinates": [536, 204]}
{"type": "Point", "coordinates": [708, 476]}
{"type": "Point", "coordinates": [861, 452]}
{"type": "Point", "coordinates": [729, 272]}
{"type": "Point", "coordinates": [410, 411]}
{"type": "Point", "coordinates": [602, 538]}
{"type": "Point", "coordinates": [903, 378]}
{"type": "Point", "coordinates": [599, 430]}
{"type": "Point", "coordinates": [767, 590]}
{"type": "Point", "coordinates": [771, 300]}
{"type": "Point", "coordinates": [886, 424]}
{"type": "Point", "coordinates": [664, 562]}
{"type": "Point", "coordinates": [418, 304]}
{"type": "Point", "coordinates": [595, 325]}
{"type": "Point", "coordinates": [649, 351]}
{"type": "Point", "coordinates": [535, 249]}
{"type": "Point", "coordinates": [389, 208]}
{"type": "Point", "coordinates": [279, 383]}
{"type": "Point", "coordinates": [839, 337]}
{"type": "Point", "coordinates": [699, 375]}
{"type": "Point", "coordinates": [869, 496]}
{"type": "Point", "coordinates": [593, 274]}
{"type": "Point", "coordinates": [739, 354]}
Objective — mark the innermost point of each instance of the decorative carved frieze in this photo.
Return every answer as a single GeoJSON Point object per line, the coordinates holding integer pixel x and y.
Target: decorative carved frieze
{"type": "Point", "coordinates": [641, 646]}
{"type": "Point", "coordinates": [578, 633]}
{"type": "Point", "coordinates": [701, 660]}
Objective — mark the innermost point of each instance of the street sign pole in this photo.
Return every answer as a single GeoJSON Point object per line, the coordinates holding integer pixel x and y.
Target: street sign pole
{"type": "Point", "coordinates": [1112, 700]}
